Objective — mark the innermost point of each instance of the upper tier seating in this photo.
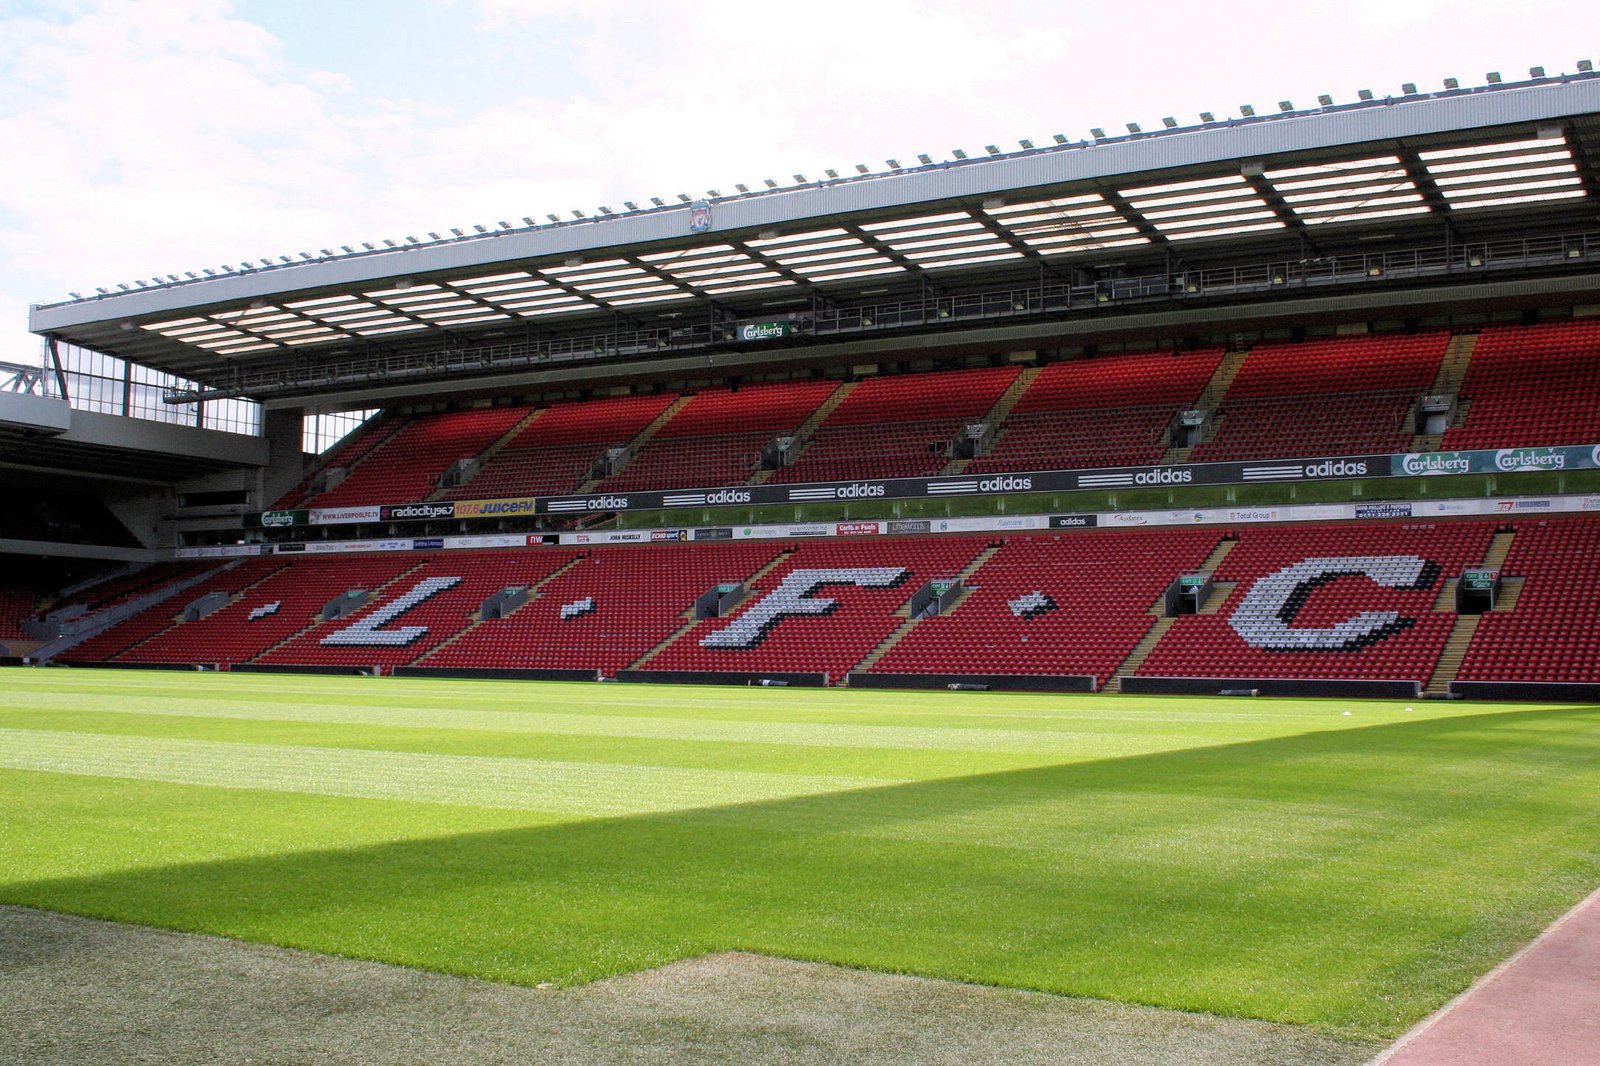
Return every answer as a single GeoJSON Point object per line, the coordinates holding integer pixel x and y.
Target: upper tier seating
{"type": "Point", "coordinates": [1294, 612]}
{"type": "Point", "coordinates": [607, 610]}
{"type": "Point", "coordinates": [553, 453]}
{"type": "Point", "coordinates": [1340, 395]}
{"type": "Point", "coordinates": [717, 437]}
{"type": "Point", "coordinates": [897, 426]}
{"type": "Point", "coordinates": [346, 453]}
{"type": "Point", "coordinates": [1109, 411]}
{"type": "Point", "coordinates": [1532, 385]}
{"type": "Point", "coordinates": [1554, 633]}
{"type": "Point", "coordinates": [1097, 590]}
{"type": "Point", "coordinates": [406, 466]}
{"type": "Point", "coordinates": [870, 581]}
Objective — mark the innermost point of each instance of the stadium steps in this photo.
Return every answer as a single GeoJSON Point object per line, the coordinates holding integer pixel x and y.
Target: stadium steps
{"type": "Point", "coordinates": [177, 619]}
{"type": "Point", "coordinates": [1452, 371]}
{"type": "Point", "coordinates": [490, 452]}
{"type": "Point", "coordinates": [477, 620]}
{"type": "Point", "coordinates": [640, 440]}
{"type": "Point", "coordinates": [1147, 643]}
{"type": "Point", "coordinates": [1455, 648]}
{"type": "Point", "coordinates": [997, 415]}
{"type": "Point", "coordinates": [690, 621]}
{"type": "Point", "coordinates": [904, 611]}
{"type": "Point", "coordinates": [1510, 593]}
{"type": "Point", "coordinates": [1141, 651]}
{"type": "Point", "coordinates": [806, 429]}
{"type": "Point", "coordinates": [1227, 369]}
{"type": "Point", "coordinates": [375, 597]}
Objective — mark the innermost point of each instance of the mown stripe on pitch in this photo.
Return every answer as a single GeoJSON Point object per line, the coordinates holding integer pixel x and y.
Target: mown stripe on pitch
{"type": "Point", "coordinates": [596, 789]}
{"type": "Point", "coordinates": [641, 727]}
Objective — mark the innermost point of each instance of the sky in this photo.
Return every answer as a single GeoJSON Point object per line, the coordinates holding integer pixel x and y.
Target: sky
{"type": "Point", "coordinates": [146, 137]}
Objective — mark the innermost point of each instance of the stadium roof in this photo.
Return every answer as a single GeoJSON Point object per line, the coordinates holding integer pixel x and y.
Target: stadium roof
{"type": "Point", "coordinates": [1462, 166]}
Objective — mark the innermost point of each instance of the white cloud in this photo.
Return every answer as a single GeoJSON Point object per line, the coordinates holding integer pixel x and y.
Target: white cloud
{"type": "Point", "coordinates": [146, 138]}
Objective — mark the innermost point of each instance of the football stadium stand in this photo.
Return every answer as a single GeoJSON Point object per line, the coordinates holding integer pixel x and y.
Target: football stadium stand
{"type": "Point", "coordinates": [1553, 634]}
{"type": "Point", "coordinates": [1532, 385]}
{"type": "Point", "coordinates": [556, 452]}
{"type": "Point", "coordinates": [407, 465]}
{"type": "Point", "coordinates": [897, 426]}
{"type": "Point", "coordinates": [1340, 396]}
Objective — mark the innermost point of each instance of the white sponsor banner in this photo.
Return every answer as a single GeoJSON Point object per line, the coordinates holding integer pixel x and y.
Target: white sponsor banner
{"type": "Point", "coordinates": [1319, 512]}
{"type": "Point", "coordinates": [342, 516]}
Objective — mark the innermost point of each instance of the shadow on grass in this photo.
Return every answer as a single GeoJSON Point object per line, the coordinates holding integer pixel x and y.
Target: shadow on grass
{"type": "Point", "coordinates": [1352, 879]}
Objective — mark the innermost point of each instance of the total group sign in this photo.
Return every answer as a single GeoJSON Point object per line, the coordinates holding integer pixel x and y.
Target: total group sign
{"type": "Point", "coordinates": [1254, 472]}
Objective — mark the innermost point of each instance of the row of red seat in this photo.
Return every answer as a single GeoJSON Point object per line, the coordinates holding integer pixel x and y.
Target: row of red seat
{"type": "Point", "coordinates": [1341, 600]}
{"type": "Point", "coordinates": [1526, 385]}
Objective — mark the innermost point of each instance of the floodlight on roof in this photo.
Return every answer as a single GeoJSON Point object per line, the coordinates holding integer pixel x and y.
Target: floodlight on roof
{"type": "Point", "coordinates": [862, 168]}
{"type": "Point", "coordinates": [123, 285]}
{"type": "Point", "coordinates": [605, 209]}
{"type": "Point", "coordinates": [768, 182]}
{"type": "Point", "coordinates": [1285, 105]}
{"type": "Point", "coordinates": [207, 270]}
{"type": "Point", "coordinates": [992, 149]}
{"type": "Point", "coordinates": [1535, 72]}
{"type": "Point", "coordinates": [245, 264]}
{"type": "Point", "coordinates": [327, 251]}
{"type": "Point", "coordinates": [139, 282]}
{"type": "Point", "coordinates": [172, 277]}
{"type": "Point", "coordinates": [831, 173]}
{"type": "Point", "coordinates": [75, 295]}
{"type": "Point", "coordinates": [1325, 100]}
{"type": "Point", "coordinates": [303, 255]}
{"type": "Point", "coordinates": [1059, 138]}
{"type": "Point", "coordinates": [685, 197]}
{"type": "Point", "coordinates": [351, 251]}
{"type": "Point", "coordinates": [1452, 83]}
{"type": "Point", "coordinates": [480, 227]}
{"type": "Point", "coordinates": [1585, 66]}
{"type": "Point", "coordinates": [658, 201]}
{"type": "Point", "coordinates": [577, 212]}
{"type": "Point", "coordinates": [799, 179]}
{"type": "Point", "coordinates": [1493, 77]}
{"type": "Point", "coordinates": [925, 159]}
{"type": "Point", "coordinates": [1207, 117]}
{"type": "Point", "coordinates": [103, 291]}
{"type": "Point", "coordinates": [1409, 88]}
{"type": "Point", "coordinates": [1097, 133]}
{"type": "Point", "coordinates": [958, 153]}
{"type": "Point", "coordinates": [228, 267]}
{"type": "Point", "coordinates": [287, 259]}
{"type": "Point", "coordinates": [191, 275]}
{"type": "Point", "coordinates": [390, 243]}
{"type": "Point", "coordinates": [1133, 127]}
{"type": "Point", "coordinates": [369, 246]}
{"type": "Point", "coordinates": [1364, 94]}
{"type": "Point", "coordinates": [892, 164]}
{"type": "Point", "coordinates": [1026, 144]}
{"type": "Point", "coordinates": [1247, 111]}
{"type": "Point", "coordinates": [1170, 123]}
{"type": "Point", "coordinates": [629, 204]}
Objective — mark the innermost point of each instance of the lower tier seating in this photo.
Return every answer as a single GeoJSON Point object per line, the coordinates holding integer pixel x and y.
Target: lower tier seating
{"type": "Point", "coordinates": [1353, 601]}
{"type": "Point", "coordinates": [1073, 604]}
{"type": "Point", "coordinates": [1323, 601]}
{"type": "Point", "coordinates": [1554, 632]}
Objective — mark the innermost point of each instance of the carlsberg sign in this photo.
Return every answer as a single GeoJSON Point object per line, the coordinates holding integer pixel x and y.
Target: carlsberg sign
{"type": "Point", "coordinates": [764, 331]}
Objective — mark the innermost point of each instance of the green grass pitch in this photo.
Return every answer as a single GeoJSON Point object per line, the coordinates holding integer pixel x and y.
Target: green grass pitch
{"type": "Point", "coordinates": [1276, 859]}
